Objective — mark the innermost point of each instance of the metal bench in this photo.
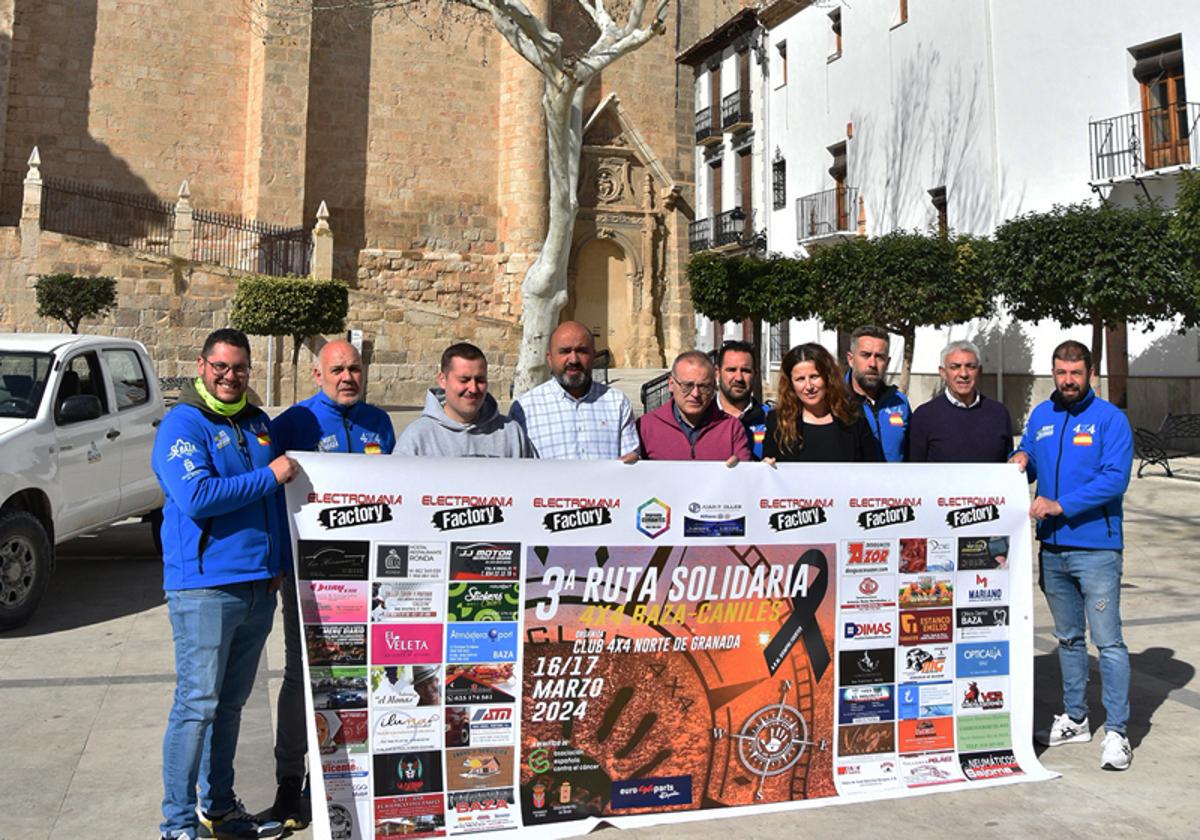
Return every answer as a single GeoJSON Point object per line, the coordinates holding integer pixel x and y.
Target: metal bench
{"type": "Point", "coordinates": [1178, 436]}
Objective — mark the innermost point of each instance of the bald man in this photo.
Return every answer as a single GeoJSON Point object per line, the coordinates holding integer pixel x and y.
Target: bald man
{"type": "Point", "coordinates": [335, 419]}
{"type": "Point", "coordinates": [571, 416]}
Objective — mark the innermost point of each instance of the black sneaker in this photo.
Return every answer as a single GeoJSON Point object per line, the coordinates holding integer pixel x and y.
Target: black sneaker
{"type": "Point", "coordinates": [237, 824]}
{"type": "Point", "coordinates": [292, 806]}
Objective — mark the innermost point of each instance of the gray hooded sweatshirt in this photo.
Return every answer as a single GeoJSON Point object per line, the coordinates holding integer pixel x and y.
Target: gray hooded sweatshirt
{"type": "Point", "coordinates": [492, 435]}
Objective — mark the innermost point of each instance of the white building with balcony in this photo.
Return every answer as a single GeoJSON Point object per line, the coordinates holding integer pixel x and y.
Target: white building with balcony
{"type": "Point", "coordinates": [878, 115]}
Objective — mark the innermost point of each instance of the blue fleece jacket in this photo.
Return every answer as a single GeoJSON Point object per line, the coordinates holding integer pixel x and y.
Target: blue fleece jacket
{"type": "Point", "coordinates": [222, 500]}
{"type": "Point", "coordinates": [1081, 456]}
{"type": "Point", "coordinates": [887, 418]}
{"type": "Point", "coordinates": [318, 424]}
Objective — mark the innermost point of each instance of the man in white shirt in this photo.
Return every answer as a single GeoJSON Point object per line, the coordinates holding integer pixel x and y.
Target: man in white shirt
{"type": "Point", "coordinates": [571, 416]}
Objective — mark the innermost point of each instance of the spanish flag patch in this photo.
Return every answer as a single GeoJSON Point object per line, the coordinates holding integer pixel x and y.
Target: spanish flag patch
{"type": "Point", "coordinates": [895, 419]}
{"type": "Point", "coordinates": [760, 436]}
{"type": "Point", "coordinates": [1082, 439]}
{"type": "Point", "coordinates": [372, 449]}
{"type": "Point", "coordinates": [264, 439]}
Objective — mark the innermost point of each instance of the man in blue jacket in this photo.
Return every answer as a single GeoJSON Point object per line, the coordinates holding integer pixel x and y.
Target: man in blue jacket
{"type": "Point", "coordinates": [884, 406]}
{"type": "Point", "coordinates": [220, 472]}
{"type": "Point", "coordinates": [335, 419]}
{"type": "Point", "coordinates": [1079, 449]}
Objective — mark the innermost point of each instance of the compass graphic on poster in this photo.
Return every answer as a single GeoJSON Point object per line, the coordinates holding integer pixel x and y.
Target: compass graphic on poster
{"type": "Point", "coordinates": [772, 739]}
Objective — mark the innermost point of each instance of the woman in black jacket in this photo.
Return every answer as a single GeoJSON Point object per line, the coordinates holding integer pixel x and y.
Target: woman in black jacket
{"type": "Point", "coordinates": [815, 420]}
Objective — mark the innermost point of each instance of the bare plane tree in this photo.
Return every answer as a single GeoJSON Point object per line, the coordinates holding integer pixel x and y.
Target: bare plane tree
{"type": "Point", "coordinates": [622, 26]}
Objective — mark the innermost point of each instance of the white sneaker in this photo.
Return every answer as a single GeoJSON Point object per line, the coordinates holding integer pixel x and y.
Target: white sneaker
{"type": "Point", "coordinates": [1116, 754]}
{"type": "Point", "coordinates": [1064, 731]}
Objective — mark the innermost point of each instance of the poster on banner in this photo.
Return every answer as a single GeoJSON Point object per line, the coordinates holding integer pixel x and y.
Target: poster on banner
{"type": "Point", "coordinates": [503, 650]}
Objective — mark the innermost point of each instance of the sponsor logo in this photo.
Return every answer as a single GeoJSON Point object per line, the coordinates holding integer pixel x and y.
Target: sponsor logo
{"type": "Point", "coordinates": [355, 498]}
{"type": "Point", "coordinates": [990, 731]}
{"type": "Point", "coordinates": [348, 517]}
{"type": "Point", "coordinates": [1083, 434]}
{"type": "Point", "coordinates": [994, 764]}
{"type": "Point", "coordinates": [485, 561]}
{"type": "Point", "coordinates": [653, 518]}
{"type": "Point", "coordinates": [926, 700]}
{"type": "Point", "coordinates": [925, 734]}
{"type": "Point", "coordinates": [983, 700]}
{"type": "Point", "coordinates": [793, 518]}
{"type": "Point", "coordinates": [181, 448]}
{"type": "Point", "coordinates": [410, 772]}
{"type": "Point", "coordinates": [926, 626]}
{"type": "Point", "coordinates": [777, 504]}
{"type": "Point", "coordinates": [962, 517]}
{"type": "Point", "coordinates": [222, 440]}
{"type": "Point", "coordinates": [481, 642]}
{"type": "Point", "coordinates": [329, 443]}
{"type": "Point", "coordinates": [927, 591]}
{"type": "Point", "coordinates": [983, 587]}
{"type": "Point", "coordinates": [979, 623]}
{"type": "Point", "coordinates": [867, 631]}
{"type": "Point", "coordinates": [473, 601]}
{"type": "Point", "coordinates": [652, 792]}
{"type": "Point", "coordinates": [714, 527]}
{"type": "Point", "coordinates": [982, 659]}
{"type": "Point", "coordinates": [885, 517]}
{"type": "Point", "coordinates": [867, 667]}
{"type": "Point", "coordinates": [455, 519]}
{"type": "Point", "coordinates": [868, 556]}
{"type": "Point", "coordinates": [330, 560]}
{"type": "Point", "coordinates": [1044, 432]}
{"type": "Point", "coordinates": [574, 519]}
{"type": "Point", "coordinates": [866, 739]}
{"type": "Point", "coordinates": [936, 768]}
{"type": "Point", "coordinates": [982, 553]}
{"type": "Point", "coordinates": [925, 663]}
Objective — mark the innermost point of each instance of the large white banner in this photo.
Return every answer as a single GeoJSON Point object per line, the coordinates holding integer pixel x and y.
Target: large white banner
{"type": "Point", "coordinates": [495, 645]}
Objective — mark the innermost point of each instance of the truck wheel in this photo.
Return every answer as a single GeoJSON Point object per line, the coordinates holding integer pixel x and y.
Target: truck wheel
{"type": "Point", "coordinates": [25, 553]}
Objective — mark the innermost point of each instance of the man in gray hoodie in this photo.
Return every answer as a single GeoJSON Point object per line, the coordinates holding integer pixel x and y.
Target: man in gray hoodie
{"type": "Point", "coordinates": [461, 419]}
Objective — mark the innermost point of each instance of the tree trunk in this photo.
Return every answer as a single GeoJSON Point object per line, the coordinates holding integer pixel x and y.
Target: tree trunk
{"type": "Point", "coordinates": [544, 287]}
{"type": "Point", "coordinates": [1118, 364]}
{"type": "Point", "coordinates": [909, 334]}
{"type": "Point", "coordinates": [1097, 346]}
{"type": "Point", "coordinates": [296, 340]}
{"type": "Point", "coordinates": [757, 339]}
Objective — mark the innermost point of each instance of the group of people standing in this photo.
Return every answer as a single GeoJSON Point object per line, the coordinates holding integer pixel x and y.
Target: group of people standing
{"type": "Point", "coordinates": [226, 552]}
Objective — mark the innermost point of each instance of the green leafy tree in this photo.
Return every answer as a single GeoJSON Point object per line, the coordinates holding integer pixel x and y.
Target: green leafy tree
{"type": "Point", "coordinates": [902, 281]}
{"type": "Point", "coordinates": [70, 299]}
{"type": "Point", "coordinates": [294, 306]}
{"type": "Point", "coordinates": [747, 287]}
{"type": "Point", "coordinates": [1104, 266]}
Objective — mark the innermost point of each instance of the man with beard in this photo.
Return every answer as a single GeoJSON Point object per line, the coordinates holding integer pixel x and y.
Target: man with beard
{"type": "Point", "coordinates": [335, 419]}
{"type": "Point", "coordinates": [571, 416]}
{"type": "Point", "coordinates": [1079, 450]}
{"type": "Point", "coordinates": [736, 365]}
{"type": "Point", "coordinates": [884, 406]}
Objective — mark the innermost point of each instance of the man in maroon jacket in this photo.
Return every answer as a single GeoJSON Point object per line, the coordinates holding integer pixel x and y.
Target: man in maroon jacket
{"type": "Point", "coordinates": [691, 427]}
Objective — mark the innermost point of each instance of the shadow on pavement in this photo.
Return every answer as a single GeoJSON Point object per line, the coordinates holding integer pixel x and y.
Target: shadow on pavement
{"type": "Point", "coordinates": [1165, 673]}
{"type": "Point", "coordinates": [114, 573]}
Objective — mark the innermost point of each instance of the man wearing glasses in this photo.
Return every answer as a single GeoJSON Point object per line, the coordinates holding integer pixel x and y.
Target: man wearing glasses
{"type": "Point", "coordinates": [691, 427]}
{"type": "Point", "coordinates": [961, 426]}
{"type": "Point", "coordinates": [221, 473]}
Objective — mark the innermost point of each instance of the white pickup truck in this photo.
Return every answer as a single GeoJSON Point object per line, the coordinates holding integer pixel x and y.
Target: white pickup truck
{"type": "Point", "coordinates": [78, 414]}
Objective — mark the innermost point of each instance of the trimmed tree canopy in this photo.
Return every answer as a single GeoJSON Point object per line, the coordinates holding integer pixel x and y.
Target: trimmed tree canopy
{"type": "Point", "coordinates": [70, 299]}
{"type": "Point", "coordinates": [1079, 264]}
{"type": "Point", "coordinates": [736, 288]}
{"type": "Point", "coordinates": [294, 306]}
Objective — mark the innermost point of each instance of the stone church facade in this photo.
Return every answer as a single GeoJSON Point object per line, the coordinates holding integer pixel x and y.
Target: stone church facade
{"type": "Point", "coordinates": [422, 135]}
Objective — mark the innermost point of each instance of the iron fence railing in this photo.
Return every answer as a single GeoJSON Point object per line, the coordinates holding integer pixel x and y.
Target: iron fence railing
{"type": "Point", "coordinates": [735, 108]}
{"type": "Point", "coordinates": [655, 392]}
{"type": "Point", "coordinates": [250, 245]}
{"type": "Point", "coordinates": [825, 212]}
{"type": "Point", "coordinates": [699, 235]}
{"type": "Point", "coordinates": [12, 193]}
{"type": "Point", "coordinates": [135, 221]}
{"type": "Point", "coordinates": [704, 125]}
{"type": "Point", "coordinates": [730, 226]}
{"type": "Point", "coordinates": [1143, 141]}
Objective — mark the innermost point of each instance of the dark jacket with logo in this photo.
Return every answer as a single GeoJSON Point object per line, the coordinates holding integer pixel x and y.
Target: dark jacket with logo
{"type": "Point", "coordinates": [887, 418]}
{"type": "Point", "coordinates": [1081, 456]}
{"type": "Point", "coordinates": [222, 500]}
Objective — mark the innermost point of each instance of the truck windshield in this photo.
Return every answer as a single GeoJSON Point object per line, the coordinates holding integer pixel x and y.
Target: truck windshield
{"type": "Point", "coordinates": [22, 382]}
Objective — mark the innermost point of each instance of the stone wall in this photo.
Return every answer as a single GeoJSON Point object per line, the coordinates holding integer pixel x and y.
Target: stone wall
{"type": "Point", "coordinates": [172, 305]}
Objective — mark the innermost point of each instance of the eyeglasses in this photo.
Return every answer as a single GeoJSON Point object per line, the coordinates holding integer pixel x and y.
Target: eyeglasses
{"type": "Point", "coordinates": [220, 369]}
{"type": "Point", "coordinates": [704, 389]}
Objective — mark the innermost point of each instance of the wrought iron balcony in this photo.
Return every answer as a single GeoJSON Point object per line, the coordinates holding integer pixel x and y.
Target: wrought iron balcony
{"type": "Point", "coordinates": [706, 131]}
{"type": "Point", "coordinates": [699, 235]}
{"type": "Point", "coordinates": [826, 213]}
{"type": "Point", "coordinates": [730, 227]}
{"type": "Point", "coordinates": [1144, 141]}
{"type": "Point", "coordinates": [735, 111]}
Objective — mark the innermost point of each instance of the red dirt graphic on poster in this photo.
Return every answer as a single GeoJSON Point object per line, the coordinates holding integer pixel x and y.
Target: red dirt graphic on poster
{"type": "Point", "coordinates": [660, 678]}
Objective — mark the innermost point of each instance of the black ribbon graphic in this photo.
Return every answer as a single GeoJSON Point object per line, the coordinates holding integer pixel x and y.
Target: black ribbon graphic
{"type": "Point", "coordinates": [802, 623]}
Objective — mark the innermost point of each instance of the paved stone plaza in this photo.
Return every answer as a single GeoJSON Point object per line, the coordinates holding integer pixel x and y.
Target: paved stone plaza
{"type": "Point", "coordinates": [86, 686]}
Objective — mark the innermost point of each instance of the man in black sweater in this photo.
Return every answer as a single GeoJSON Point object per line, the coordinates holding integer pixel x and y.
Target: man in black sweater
{"type": "Point", "coordinates": [960, 425]}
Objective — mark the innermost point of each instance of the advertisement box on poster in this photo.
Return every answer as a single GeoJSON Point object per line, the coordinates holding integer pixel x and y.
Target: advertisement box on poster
{"type": "Point", "coordinates": [523, 647]}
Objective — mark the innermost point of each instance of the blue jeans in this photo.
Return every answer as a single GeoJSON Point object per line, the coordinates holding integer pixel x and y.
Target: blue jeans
{"type": "Point", "coordinates": [291, 728]}
{"type": "Point", "coordinates": [219, 636]}
{"type": "Point", "coordinates": [1085, 584]}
